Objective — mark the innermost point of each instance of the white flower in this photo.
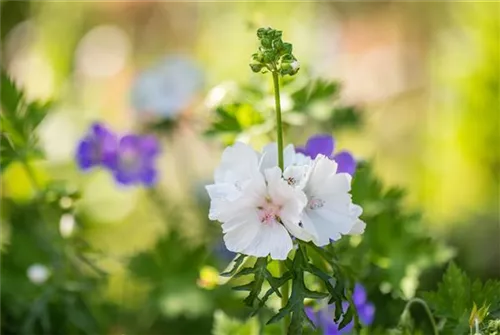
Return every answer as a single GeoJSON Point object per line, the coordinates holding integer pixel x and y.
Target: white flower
{"type": "Point", "coordinates": [295, 65]}
{"type": "Point", "coordinates": [329, 212]}
{"type": "Point", "coordinates": [67, 225]}
{"type": "Point", "coordinates": [260, 207]}
{"type": "Point", "coordinates": [256, 206]}
{"type": "Point", "coordinates": [38, 274]}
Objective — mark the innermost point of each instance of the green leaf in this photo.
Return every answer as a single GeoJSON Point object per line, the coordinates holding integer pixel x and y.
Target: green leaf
{"type": "Point", "coordinates": [19, 122]}
{"type": "Point", "coordinates": [7, 152]}
{"type": "Point", "coordinates": [345, 117]}
{"type": "Point", "coordinates": [313, 91]}
{"type": "Point", "coordinates": [456, 299]}
{"type": "Point", "coordinates": [236, 264]}
{"type": "Point", "coordinates": [295, 306]}
{"type": "Point", "coordinates": [11, 95]}
{"type": "Point", "coordinates": [234, 118]}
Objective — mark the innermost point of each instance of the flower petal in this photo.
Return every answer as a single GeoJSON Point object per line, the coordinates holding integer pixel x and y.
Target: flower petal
{"type": "Point", "coordinates": [346, 162]}
{"type": "Point", "coordinates": [149, 146]}
{"type": "Point", "coordinates": [367, 313]}
{"type": "Point", "coordinates": [85, 154]}
{"type": "Point", "coordinates": [359, 295]}
{"type": "Point", "coordinates": [271, 239]}
{"type": "Point", "coordinates": [148, 176]}
{"type": "Point", "coordinates": [239, 162]}
{"type": "Point", "coordinates": [269, 158]}
{"type": "Point", "coordinates": [240, 232]}
{"type": "Point", "coordinates": [358, 228]}
{"type": "Point", "coordinates": [320, 144]}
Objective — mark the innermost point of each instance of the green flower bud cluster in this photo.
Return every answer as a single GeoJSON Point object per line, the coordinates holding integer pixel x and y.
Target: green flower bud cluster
{"type": "Point", "coordinates": [274, 55]}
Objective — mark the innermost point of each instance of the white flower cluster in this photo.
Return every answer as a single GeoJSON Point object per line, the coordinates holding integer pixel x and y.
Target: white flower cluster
{"type": "Point", "coordinates": [260, 207]}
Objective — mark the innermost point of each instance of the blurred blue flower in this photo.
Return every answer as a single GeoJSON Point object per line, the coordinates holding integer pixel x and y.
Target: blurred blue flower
{"type": "Point", "coordinates": [135, 160]}
{"type": "Point", "coordinates": [166, 89]}
{"type": "Point", "coordinates": [323, 318]}
{"type": "Point", "coordinates": [223, 254]}
{"type": "Point", "coordinates": [325, 145]}
{"type": "Point", "coordinates": [98, 147]}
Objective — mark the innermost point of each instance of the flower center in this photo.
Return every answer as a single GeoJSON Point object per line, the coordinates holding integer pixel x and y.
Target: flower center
{"type": "Point", "coordinates": [315, 203]}
{"type": "Point", "coordinates": [129, 160]}
{"type": "Point", "coordinates": [96, 151]}
{"type": "Point", "coordinates": [269, 212]}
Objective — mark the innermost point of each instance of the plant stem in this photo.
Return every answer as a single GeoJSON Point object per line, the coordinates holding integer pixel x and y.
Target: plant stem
{"type": "Point", "coordinates": [279, 136]}
{"type": "Point", "coordinates": [427, 311]}
{"type": "Point", "coordinates": [279, 125]}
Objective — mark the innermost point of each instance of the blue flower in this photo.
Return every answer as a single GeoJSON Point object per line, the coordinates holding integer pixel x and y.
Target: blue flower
{"type": "Point", "coordinates": [168, 88]}
{"type": "Point", "coordinates": [98, 147]}
{"type": "Point", "coordinates": [323, 318]}
{"type": "Point", "coordinates": [135, 160]}
{"type": "Point", "coordinates": [325, 145]}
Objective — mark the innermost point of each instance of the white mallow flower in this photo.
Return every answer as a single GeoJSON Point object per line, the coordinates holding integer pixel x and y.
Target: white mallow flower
{"type": "Point", "coordinates": [260, 207]}
{"type": "Point", "coordinates": [329, 212]}
{"type": "Point", "coordinates": [256, 206]}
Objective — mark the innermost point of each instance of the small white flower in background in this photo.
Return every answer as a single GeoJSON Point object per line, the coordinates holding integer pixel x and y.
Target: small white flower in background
{"type": "Point", "coordinates": [168, 88]}
{"type": "Point", "coordinates": [67, 225]}
{"type": "Point", "coordinates": [260, 207]}
{"type": "Point", "coordinates": [38, 273]}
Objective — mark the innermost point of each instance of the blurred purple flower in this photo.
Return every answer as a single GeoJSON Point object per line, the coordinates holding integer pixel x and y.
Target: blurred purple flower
{"type": "Point", "coordinates": [325, 145]}
{"type": "Point", "coordinates": [167, 88]}
{"type": "Point", "coordinates": [323, 318]}
{"type": "Point", "coordinates": [98, 147]}
{"type": "Point", "coordinates": [135, 160]}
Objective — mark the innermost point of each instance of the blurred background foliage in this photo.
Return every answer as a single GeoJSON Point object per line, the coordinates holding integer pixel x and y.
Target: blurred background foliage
{"type": "Point", "coordinates": [414, 97]}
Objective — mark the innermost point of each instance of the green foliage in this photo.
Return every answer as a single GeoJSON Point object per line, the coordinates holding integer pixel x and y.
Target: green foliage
{"type": "Point", "coordinates": [314, 91]}
{"type": "Point", "coordinates": [295, 306]}
{"type": "Point", "coordinates": [456, 296]}
{"type": "Point", "coordinates": [395, 247]}
{"type": "Point", "coordinates": [30, 308]}
{"type": "Point", "coordinates": [230, 120]}
{"type": "Point", "coordinates": [311, 103]}
{"type": "Point", "coordinates": [19, 119]}
{"type": "Point", "coordinates": [224, 325]}
{"type": "Point", "coordinates": [335, 278]}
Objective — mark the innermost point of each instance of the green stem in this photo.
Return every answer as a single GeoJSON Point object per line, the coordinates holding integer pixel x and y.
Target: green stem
{"type": "Point", "coordinates": [279, 125]}
{"type": "Point", "coordinates": [427, 311]}
{"type": "Point", "coordinates": [279, 136]}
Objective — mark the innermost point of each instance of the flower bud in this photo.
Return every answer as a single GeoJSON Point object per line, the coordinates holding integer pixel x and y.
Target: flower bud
{"type": "Point", "coordinates": [256, 67]}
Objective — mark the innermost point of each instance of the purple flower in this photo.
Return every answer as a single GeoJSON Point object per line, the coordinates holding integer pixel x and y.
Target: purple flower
{"type": "Point", "coordinates": [135, 160]}
{"type": "Point", "coordinates": [325, 145]}
{"type": "Point", "coordinates": [323, 318]}
{"type": "Point", "coordinates": [98, 147]}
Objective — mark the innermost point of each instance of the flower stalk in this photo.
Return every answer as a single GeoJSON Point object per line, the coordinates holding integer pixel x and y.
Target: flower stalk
{"type": "Point", "coordinates": [418, 301]}
{"type": "Point", "coordinates": [276, 56]}
{"type": "Point", "coordinates": [279, 136]}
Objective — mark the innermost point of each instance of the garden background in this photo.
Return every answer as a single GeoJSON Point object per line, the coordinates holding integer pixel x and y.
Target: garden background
{"type": "Point", "coordinates": [415, 93]}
